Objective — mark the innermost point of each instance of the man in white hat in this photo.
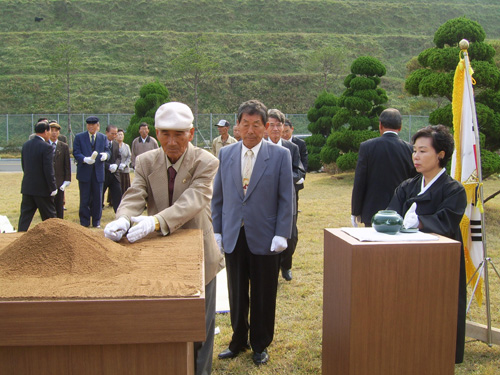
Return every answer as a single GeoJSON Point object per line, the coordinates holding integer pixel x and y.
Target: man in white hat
{"type": "Point", "coordinates": [223, 139]}
{"type": "Point", "coordinates": [175, 183]}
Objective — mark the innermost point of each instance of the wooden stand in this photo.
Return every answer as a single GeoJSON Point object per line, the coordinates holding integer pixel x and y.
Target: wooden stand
{"type": "Point", "coordinates": [104, 336]}
{"type": "Point", "coordinates": [389, 308]}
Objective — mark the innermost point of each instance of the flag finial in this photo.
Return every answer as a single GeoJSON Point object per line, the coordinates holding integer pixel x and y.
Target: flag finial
{"type": "Point", "coordinates": [464, 44]}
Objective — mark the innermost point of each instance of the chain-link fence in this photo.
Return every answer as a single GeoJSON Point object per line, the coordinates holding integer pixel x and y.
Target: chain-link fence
{"type": "Point", "coordinates": [15, 129]}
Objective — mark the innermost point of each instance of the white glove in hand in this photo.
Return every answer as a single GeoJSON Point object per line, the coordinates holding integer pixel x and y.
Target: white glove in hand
{"type": "Point", "coordinates": [218, 239]}
{"type": "Point", "coordinates": [53, 194]}
{"type": "Point", "coordinates": [64, 185]}
{"type": "Point", "coordinates": [116, 229]}
{"type": "Point", "coordinates": [411, 218]}
{"type": "Point", "coordinates": [301, 181]}
{"type": "Point", "coordinates": [279, 244]}
{"type": "Point", "coordinates": [355, 220]}
{"type": "Point", "coordinates": [94, 155]}
{"type": "Point", "coordinates": [144, 226]}
{"type": "Point", "coordinates": [104, 156]}
{"type": "Point", "coordinates": [113, 168]}
{"type": "Point", "coordinates": [122, 166]}
{"type": "Point", "coordinates": [88, 160]}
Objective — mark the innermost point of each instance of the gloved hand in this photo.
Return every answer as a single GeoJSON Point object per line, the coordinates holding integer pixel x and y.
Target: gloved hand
{"type": "Point", "coordinates": [411, 218]}
{"type": "Point", "coordinates": [88, 160]}
{"type": "Point", "coordinates": [113, 168]}
{"type": "Point", "coordinates": [218, 239]}
{"type": "Point", "coordinates": [53, 194]}
{"type": "Point", "coordinates": [64, 185]}
{"type": "Point", "coordinates": [122, 166]}
{"type": "Point", "coordinates": [104, 156]}
{"type": "Point", "coordinates": [301, 181]}
{"type": "Point", "coordinates": [116, 229]}
{"type": "Point", "coordinates": [279, 244]}
{"type": "Point", "coordinates": [144, 226]}
{"type": "Point", "coordinates": [355, 220]}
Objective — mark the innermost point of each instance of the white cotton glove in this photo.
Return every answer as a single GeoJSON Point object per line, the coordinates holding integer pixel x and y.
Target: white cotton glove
{"type": "Point", "coordinates": [301, 181]}
{"type": "Point", "coordinates": [113, 168]}
{"type": "Point", "coordinates": [218, 239]}
{"type": "Point", "coordinates": [88, 160]}
{"type": "Point", "coordinates": [53, 194]}
{"type": "Point", "coordinates": [144, 226]}
{"type": "Point", "coordinates": [64, 185]}
{"type": "Point", "coordinates": [279, 244]}
{"type": "Point", "coordinates": [116, 229]}
{"type": "Point", "coordinates": [355, 220]}
{"type": "Point", "coordinates": [411, 218]}
{"type": "Point", "coordinates": [122, 166]}
{"type": "Point", "coordinates": [104, 156]}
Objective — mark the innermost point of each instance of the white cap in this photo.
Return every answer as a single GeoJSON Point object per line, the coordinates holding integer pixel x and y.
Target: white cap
{"type": "Point", "coordinates": [222, 123]}
{"type": "Point", "coordinates": [174, 116]}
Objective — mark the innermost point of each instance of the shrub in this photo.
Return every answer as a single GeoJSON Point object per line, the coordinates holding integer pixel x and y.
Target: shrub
{"type": "Point", "coordinates": [313, 162]}
{"type": "Point", "coordinates": [347, 161]}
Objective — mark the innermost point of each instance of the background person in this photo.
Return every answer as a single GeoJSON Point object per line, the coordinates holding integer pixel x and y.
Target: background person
{"type": "Point", "coordinates": [175, 183]}
{"type": "Point", "coordinates": [125, 155]}
{"type": "Point", "coordinates": [224, 139]}
{"type": "Point", "coordinates": [142, 143]}
{"type": "Point", "coordinates": [434, 202]}
{"type": "Point", "coordinates": [383, 163]}
{"type": "Point", "coordinates": [111, 171]}
{"type": "Point", "coordinates": [62, 166]}
{"type": "Point", "coordinates": [236, 133]}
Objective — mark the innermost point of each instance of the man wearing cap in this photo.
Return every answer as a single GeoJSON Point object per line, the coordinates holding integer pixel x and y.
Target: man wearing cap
{"type": "Point", "coordinates": [62, 166]}
{"type": "Point", "coordinates": [142, 143]}
{"type": "Point", "coordinates": [223, 139]}
{"type": "Point", "coordinates": [89, 150]}
{"type": "Point", "coordinates": [175, 183]}
{"type": "Point", "coordinates": [39, 185]}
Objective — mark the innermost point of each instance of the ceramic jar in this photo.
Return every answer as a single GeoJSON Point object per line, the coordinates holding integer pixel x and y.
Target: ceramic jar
{"type": "Point", "coordinates": [387, 221]}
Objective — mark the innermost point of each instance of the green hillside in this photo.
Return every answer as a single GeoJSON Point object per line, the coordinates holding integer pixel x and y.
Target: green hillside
{"type": "Point", "coordinates": [262, 47]}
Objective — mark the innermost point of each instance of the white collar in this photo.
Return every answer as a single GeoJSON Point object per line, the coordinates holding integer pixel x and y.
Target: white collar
{"type": "Point", "coordinates": [423, 188]}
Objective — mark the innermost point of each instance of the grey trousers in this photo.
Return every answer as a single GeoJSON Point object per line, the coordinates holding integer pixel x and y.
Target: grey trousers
{"type": "Point", "coordinates": [203, 351]}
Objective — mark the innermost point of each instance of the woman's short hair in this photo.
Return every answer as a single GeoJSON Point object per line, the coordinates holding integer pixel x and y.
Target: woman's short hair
{"type": "Point", "coordinates": [442, 140]}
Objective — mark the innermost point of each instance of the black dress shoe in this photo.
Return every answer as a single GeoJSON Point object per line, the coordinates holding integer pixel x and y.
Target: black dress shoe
{"type": "Point", "coordinates": [228, 353]}
{"type": "Point", "coordinates": [260, 358]}
{"type": "Point", "coordinates": [287, 274]}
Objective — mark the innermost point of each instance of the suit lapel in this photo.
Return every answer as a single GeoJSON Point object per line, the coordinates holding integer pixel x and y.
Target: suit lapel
{"type": "Point", "coordinates": [259, 168]}
{"type": "Point", "coordinates": [184, 177]}
{"type": "Point", "coordinates": [158, 180]}
{"type": "Point", "coordinates": [235, 167]}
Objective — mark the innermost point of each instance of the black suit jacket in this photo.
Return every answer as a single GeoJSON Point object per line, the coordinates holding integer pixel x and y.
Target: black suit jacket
{"type": "Point", "coordinates": [302, 149]}
{"type": "Point", "coordinates": [36, 161]}
{"type": "Point", "coordinates": [115, 158]}
{"type": "Point", "coordinates": [383, 163]}
{"type": "Point", "coordinates": [297, 167]}
{"type": "Point", "coordinates": [62, 163]}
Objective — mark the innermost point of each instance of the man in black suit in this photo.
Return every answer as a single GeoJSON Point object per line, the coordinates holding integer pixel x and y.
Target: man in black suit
{"type": "Point", "coordinates": [111, 172]}
{"type": "Point", "coordinates": [383, 163]}
{"type": "Point", "coordinates": [39, 184]}
{"type": "Point", "coordinates": [62, 166]}
{"type": "Point", "coordinates": [275, 131]}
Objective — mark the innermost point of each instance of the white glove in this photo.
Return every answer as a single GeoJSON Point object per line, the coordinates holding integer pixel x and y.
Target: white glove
{"type": "Point", "coordinates": [53, 194]}
{"type": "Point", "coordinates": [411, 218]}
{"type": "Point", "coordinates": [113, 168]}
{"type": "Point", "coordinates": [279, 244]}
{"type": "Point", "coordinates": [64, 185]}
{"type": "Point", "coordinates": [94, 155]}
{"type": "Point", "coordinates": [116, 229]}
{"type": "Point", "coordinates": [144, 226]}
{"type": "Point", "coordinates": [88, 160]}
{"type": "Point", "coordinates": [301, 181]}
{"type": "Point", "coordinates": [218, 239]}
{"type": "Point", "coordinates": [122, 166]}
{"type": "Point", "coordinates": [355, 220]}
{"type": "Point", "coordinates": [104, 156]}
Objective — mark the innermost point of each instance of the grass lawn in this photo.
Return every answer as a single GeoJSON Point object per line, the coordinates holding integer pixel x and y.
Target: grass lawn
{"type": "Point", "coordinates": [296, 349]}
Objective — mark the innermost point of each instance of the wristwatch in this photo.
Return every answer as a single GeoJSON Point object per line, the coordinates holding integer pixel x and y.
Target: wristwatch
{"type": "Point", "coordinates": [157, 223]}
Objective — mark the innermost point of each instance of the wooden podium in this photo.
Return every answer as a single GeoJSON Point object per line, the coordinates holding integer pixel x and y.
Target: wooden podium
{"type": "Point", "coordinates": [109, 336]}
{"type": "Point", "coordinates": [389, 308]}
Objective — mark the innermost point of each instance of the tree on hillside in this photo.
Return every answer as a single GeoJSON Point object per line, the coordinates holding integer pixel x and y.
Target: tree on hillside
{"type": "Point", "coordinates": [330, 62]}
{"type": "Point", "coordinates": [434, 78]}
{"type": "Point", "coordinates": [152, 95]}
{"type": "Point", "coordinates": [195, 66]}
{"type": "Point", "coordinates": [65, 62]}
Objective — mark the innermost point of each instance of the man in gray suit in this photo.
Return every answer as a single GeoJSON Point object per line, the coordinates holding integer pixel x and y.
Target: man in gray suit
{"type": "Point", "coordinates": [252, 213]}
{"type": "Point", "coordinates": [275, 132]}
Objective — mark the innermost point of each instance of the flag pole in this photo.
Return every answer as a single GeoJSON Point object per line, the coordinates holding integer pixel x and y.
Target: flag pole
{"type": "Point", "coordinates": [464, 45]}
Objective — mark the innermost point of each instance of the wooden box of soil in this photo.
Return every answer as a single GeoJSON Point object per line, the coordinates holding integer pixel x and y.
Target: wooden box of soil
{"type": "Point", "coordinates": [74, 302]}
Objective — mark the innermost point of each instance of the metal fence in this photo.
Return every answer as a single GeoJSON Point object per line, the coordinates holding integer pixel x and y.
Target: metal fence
{"type": "Point", "coordinates": [15, 129]}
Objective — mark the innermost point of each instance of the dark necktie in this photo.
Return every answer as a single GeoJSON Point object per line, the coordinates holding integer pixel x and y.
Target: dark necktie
{"type": "Point", "coordinates": [93, 140]}
{"type": "Point", "coordinates": [171, 180]}
{"type": "Point", "coordinates": [53, 147]}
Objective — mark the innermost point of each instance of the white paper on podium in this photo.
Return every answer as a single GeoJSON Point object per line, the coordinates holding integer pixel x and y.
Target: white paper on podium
{"type": "Point", "coordinates": [371, 235]}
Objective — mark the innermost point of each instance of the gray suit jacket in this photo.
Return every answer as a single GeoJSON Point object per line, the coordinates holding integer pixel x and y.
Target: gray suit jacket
{"type": "Point", "coordinates": [267, 207]}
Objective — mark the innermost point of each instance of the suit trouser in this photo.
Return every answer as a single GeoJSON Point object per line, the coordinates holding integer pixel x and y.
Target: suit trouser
{"type": "Point", "coordinates": [287, 254]}
{"type": "Point", "coordinates": [90, 201]}
{"type": "Point", "coordinates": [59, 202]}
{"type": "Point", "coordinates": [204, 351]}
{"type": "Point", "coordinates": [115, 189]}
{"type": "Point", "coordinates": [259, 274]}
{"type": "Point", "coordinates": [29, 205]}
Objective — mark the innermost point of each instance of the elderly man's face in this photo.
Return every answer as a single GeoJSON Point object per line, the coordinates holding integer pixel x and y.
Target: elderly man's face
{"type": "Point", "coordinates": [54, 133]}
{"type": "Point", "coordinates": [112, 133]}
{"type": "Point", "coordinates": [93, 128]}
{"type": "Point", "coordinates": [287, 132]}
{"type": "Point", "coordinates": [174, 142]}
{"type": "Point", "coordinates": [236, 132]}
{"type": "Point", "coordinates": [252, 129]}
{"type": "Point", "coordinates": [223, 130]}
{"type": "Point", "coordinates": [144, 131]}
{"type": "Point", "coordinates": [275, 129]}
